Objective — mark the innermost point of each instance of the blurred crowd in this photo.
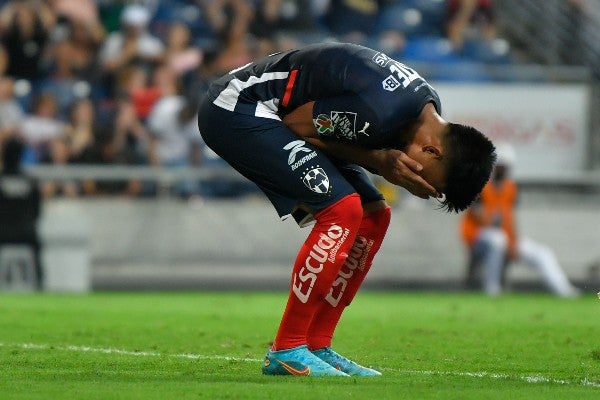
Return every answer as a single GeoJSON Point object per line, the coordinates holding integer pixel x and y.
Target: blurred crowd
{"type": "Point", "coordinates": [117, 82]}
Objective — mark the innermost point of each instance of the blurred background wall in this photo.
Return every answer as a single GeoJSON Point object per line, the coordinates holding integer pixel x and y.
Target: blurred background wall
{"type": "Point", "coordinates": [242, 244]}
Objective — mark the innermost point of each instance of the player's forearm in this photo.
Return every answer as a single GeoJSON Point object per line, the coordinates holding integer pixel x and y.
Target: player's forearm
{"type": "Point", "coordinates": [371, 159]}
{"type": "Point", "coordinates": [300, 122]}
{"type": "Point", "coordinates": [394, 165]}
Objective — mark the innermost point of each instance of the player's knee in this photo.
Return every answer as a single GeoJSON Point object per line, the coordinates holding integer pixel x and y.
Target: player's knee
{"type": "Point", "coordinates": [352, 208]}
{"type": "Point", "coordinates": [384, 216]}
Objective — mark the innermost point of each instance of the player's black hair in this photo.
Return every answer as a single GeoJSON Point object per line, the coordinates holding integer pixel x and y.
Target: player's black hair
{"type": "Point", "coordinates": [469, 160]}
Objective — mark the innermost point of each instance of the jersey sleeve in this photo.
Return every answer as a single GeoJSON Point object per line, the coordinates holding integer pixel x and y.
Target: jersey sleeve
{"type": "Point", "coordinates": [347, 118]}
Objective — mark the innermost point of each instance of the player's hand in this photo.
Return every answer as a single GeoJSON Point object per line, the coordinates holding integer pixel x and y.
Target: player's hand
{"type": "Point", "coordinates": [401, 170]}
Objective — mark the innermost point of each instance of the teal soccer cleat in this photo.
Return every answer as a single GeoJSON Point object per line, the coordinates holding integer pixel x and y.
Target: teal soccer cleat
{"type": "Point", "coordinates": [343, 364]}
{"type": "Point", "coordinates": [297, 361]}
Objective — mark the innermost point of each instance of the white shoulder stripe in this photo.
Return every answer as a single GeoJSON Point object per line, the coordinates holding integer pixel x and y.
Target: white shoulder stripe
{"type": "Point", "coordinates": [268, 109]}
{"type": "Point", "coordinates": [228, 98]}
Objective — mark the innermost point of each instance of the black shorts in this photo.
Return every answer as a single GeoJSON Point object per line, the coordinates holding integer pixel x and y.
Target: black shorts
{"type": "Point", "coordinates": [294, 175]}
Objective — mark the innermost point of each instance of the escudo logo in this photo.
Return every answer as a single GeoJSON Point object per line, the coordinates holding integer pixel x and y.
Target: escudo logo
{"type": "Point", "coordinates": [357, 259]}
{"type": "Point", "coordinates": [320, 253]}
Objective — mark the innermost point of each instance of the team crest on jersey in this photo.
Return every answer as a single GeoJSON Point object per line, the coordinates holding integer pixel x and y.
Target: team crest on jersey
{"type": "Point", "coordinates": [316, 180]}
{"type": "Point", "coordinates": [323, 124]}
{"type": "Point", "coordinates": [390, 83]}
{"type": "Point", "coordinates": [345, 124]}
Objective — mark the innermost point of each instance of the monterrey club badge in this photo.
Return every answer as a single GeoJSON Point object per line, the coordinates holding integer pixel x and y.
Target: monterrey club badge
{"type": "Point", "coordinates": [316, 180]}
{"type": "Point", "coordinates": [323, 124]}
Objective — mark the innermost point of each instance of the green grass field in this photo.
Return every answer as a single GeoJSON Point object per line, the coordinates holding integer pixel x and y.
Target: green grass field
{"type": "Point", "coordinates": [210, 345]}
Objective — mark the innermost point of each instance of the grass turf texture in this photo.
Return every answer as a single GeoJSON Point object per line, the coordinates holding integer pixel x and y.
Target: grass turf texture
{"type": "Point", "coordinates": [450, 346]}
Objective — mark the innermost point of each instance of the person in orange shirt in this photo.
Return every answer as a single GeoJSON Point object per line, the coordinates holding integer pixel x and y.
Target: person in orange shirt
{"type": "Point", "coordinates": [488, 230]}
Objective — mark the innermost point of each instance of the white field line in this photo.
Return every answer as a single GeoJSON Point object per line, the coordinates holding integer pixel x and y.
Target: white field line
{"type": "Point", "coordinates": [489, 375]}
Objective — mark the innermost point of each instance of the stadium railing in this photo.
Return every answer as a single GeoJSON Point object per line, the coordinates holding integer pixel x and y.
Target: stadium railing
{"type": "Point", "coordinates": [166, 178]}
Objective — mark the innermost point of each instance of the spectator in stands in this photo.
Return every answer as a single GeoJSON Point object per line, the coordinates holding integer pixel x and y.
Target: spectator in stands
{"type": "Point", "coordinates": [172, 127]}
{"type": "Point", "coordinates": [25, 27]}
{"type": "Point", "coordinates": [133, 43]}
{"type": "Point", "coordinates": [72, 65]}
{"type": "Point", "coordinates": [106, 151]}
{"type": "Point", "coordinates": [136, 86]}
{"type": "Point", "coordinates": [11, 113]}
{"type": "Point", "coordinates": [489, 231]}
{"type": "Point", "coordinates": [58, 154]}
{"type": "Point", "coordinates": [80, 129]}
{"type": "Point", "coordinates": [110, 13]}
{"type": "Point", "coordinates": [170, 135]}
{"type": "Point", "coordinates": [266, 26]}
{"type": "Point", "coordinates": [180, 55]}
{"type": "Point", "coordinates": [78, 36]}
{"type": "Point", "coordinates": [224, 15]}
{"type": "Point", "coordinates": [470, 19]}
{"type": "Point", "coordinates": [69, 147]}
{"type": "Point", "coordinates": [19, 204]}
{"type": "Point", "coordinates": [230, 19]}
{"type": "Point", "coordinates": [130, 137]}
{"type": "Point", "coordinates": [352, 20]}
{"type": "Point", "coordinates": [80, 11]}
{"type": "Point", "coordinates": [42, 126]}
{"type": "Point", "coordinates": [358, 22]}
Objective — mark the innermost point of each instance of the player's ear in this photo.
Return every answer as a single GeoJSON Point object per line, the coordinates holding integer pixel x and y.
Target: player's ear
{"type": "Point", "coordinates": [434, 151]}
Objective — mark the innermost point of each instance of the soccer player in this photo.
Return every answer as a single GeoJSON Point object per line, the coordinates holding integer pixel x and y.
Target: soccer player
{"type": "Point", "coordinates": [302, 124]}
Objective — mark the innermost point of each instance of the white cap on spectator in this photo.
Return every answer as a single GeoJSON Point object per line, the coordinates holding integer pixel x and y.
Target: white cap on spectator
{"type": "Point", "coordinates": [135, 15]}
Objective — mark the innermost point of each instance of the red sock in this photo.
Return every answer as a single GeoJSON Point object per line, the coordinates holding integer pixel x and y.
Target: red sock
{"type": "Point", "coordinates": [317, 264]}
{"type": "Point", "coordinates": [350, 277]}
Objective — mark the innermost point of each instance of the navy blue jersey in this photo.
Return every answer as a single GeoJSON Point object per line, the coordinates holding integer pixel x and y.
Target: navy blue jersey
{"type": "Point", "coordinates": [361, 95]}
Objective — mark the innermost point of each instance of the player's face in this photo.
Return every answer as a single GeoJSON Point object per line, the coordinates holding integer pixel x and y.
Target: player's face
{"type": "Point", "coordinates": [430, 157]}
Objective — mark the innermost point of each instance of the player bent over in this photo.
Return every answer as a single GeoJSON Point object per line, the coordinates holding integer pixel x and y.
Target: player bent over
{"type": "Point", "coordinates": [302, 124]}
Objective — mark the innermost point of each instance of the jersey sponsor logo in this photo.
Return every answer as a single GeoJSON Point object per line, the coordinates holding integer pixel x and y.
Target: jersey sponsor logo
{"type": "Point", "coordinates": [303, 160]}
{"type": "Point", "coordinates": [364, 129]}
{"type": "Point", "coordinates": [390, 83]}
{"type": "Point", "coordinates": [316, 180]}
{"type": "Point", "coordinates": [345, 124]}
{"type": "Point", "coordinates": [381, 59]}
{"type": "Point", "coordinates": [324, 250]}
{"type": "Point", "coordinates": [420, 86]}
{"type": "Point", "coordinates": [357, 259]}
{"type": "Point", "coordinates": [297, 146]}
{"type": "Point", "coordinates": [323, 124]}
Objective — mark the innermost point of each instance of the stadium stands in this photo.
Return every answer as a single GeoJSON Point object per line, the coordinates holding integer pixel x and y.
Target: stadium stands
{"type": "Point", "coordinates": [74, 52]}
